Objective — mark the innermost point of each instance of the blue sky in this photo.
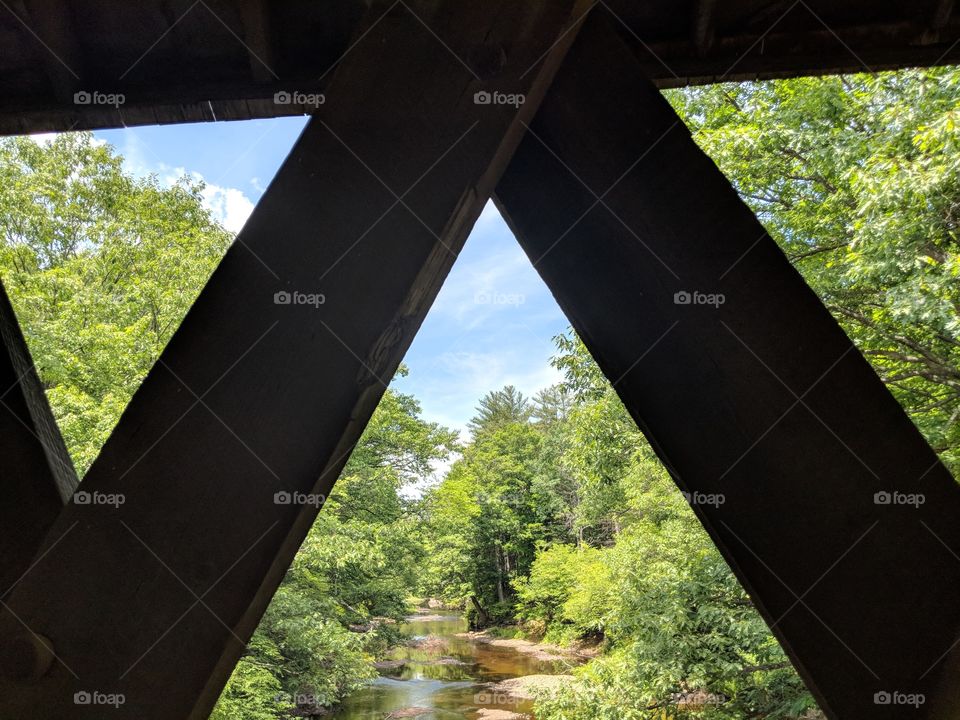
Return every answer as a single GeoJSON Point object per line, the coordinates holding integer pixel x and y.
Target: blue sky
{"type": "Point", "coordinates": [494, 319]}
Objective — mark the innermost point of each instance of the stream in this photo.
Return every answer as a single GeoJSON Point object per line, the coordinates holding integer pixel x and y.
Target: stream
{"type": "Point", "coordinates": [442, 677]}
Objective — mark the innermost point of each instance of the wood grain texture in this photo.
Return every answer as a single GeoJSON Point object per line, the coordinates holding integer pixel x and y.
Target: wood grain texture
{"type": "Point", "coordinates": [188, 61]}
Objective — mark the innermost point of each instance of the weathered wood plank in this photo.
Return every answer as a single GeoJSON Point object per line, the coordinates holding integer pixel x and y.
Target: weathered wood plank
{"type": "Point", "coordinates": [181, 80]}
{"type": "Point", "coordinates": [258, 393]}
{"type": "Point", "coordinates": [762, 399]}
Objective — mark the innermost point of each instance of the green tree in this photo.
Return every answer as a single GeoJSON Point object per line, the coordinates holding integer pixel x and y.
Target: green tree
{"type": "Point", "coordinates": [339, 605]}
{"type": "Point", "coordinates": [485, 519]}
{"type": "Point", "coordinates": [101, 268]}
{"type": "Point", "coordinates": [500, 407]}
{"type": "Point", "coordinates": [679, 630]}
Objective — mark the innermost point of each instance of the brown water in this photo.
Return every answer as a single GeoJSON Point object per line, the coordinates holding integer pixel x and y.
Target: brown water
{"type": "Point", "coordinates": [448, 677]}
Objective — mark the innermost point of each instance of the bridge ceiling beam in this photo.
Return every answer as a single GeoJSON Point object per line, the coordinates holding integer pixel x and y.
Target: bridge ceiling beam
{"type": "Point", "coordinates": [175, 61]}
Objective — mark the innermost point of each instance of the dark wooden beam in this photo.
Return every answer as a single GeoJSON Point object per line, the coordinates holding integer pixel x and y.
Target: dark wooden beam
{"type": "Point", "coordinates": [775, 54]}
{"type": "Point", "coordinates": [942, 10]}
{"type": "Point", "coordinates": [38, 476]}
{"type": "Point", "coordinates": [746, 386]}
{"type": "Point", "coordinates": [941, 14]}
{"type": "Point", "coordinates": [257, 37]}
{"type": "Point", "coordinates": [274, 373]}
{"type": "Point", "coordinates": [182, 80]}
{"type": "Point", "coordinates": [703, 26]}
{"type": "Point", "coordinates": [56, 45]}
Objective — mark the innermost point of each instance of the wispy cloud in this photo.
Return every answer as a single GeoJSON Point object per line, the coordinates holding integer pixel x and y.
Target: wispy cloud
{"type": "Point", "coordinates": [230, 206]}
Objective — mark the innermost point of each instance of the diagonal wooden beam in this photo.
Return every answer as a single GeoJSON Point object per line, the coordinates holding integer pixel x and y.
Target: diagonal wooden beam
{"type": "Point", "coordinates": [761, 400]}
{"type": "Point", "coordinates": [266, 387]}
{"type": "Point", "coordinates": [38, 475]}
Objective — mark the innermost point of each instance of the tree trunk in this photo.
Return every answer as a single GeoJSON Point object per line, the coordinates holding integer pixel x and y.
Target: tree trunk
{"type": "Point", "coordinates": [482, 615]}
{"type": "Point", "coordinates": [499, 557]}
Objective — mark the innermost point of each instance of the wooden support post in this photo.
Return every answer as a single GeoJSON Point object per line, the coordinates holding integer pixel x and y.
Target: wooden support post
{"type": "Point", "coordinates": [209, 483]}
{"type": "Point", "coordinates": [837, 516]}
{"type": "Point", "coordinates": [38, 476]}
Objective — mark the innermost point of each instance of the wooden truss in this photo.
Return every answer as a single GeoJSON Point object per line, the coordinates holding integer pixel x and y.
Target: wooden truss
{"type": "Point", "coordinates": [761, 399]}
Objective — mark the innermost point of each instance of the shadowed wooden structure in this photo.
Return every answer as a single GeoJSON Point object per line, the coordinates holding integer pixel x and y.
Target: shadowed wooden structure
{"type": "Point", "coordinates": [763, 399]}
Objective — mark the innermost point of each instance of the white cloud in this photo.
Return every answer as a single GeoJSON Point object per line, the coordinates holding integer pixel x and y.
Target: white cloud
{"type": "Point", "coordinates": [491, 325]}
{"type": "Point", "coordinates": [47, 138]}
{"type": "Point", "coordinates": [43, 138]}
{"type": "Point", "coordinates": [482, 287]}
{"type": "Point", "coordinates": [229, 206]}
{"type": "Point", "coordinates": [479, 372]}
{"type": "Point", "coordinates": [459, 379]}
{"type": "Point", "coordinates": [134, 152]}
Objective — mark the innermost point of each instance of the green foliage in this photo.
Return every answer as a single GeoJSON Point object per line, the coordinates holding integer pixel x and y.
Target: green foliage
{"type": "Point", "coordinates": [553, 576]}
{"type": "Point", "coordinates": [499, 408]}
{"type": "Point", "coordinates": [566, 593]}
{"type": "Point", "coordinates": [486, 518]}
{"type": "Point", "coordinates": [857, 179]}
{"type": "Point", "coordinates": [679, 629]}
{"type": "Point", "coordinates": [101, 268]}
{"type": "Point", "coordinates": [618, 557]}
{"type": "Point", "coordinates": [251, 694]}
{"type": "Point", "coordinates": [338, 606]}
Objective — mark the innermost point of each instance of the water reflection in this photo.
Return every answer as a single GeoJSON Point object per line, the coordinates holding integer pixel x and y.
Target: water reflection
{"type": "Point", "coordinates": [442, 676]}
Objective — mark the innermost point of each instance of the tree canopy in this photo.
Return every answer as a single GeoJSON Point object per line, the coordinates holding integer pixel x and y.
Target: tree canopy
{"type": "Point", "coordinates": [858, 179]}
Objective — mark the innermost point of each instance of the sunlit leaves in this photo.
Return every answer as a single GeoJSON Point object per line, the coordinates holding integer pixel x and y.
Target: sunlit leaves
{"type": "Point", "coordinates": [858, 180]}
